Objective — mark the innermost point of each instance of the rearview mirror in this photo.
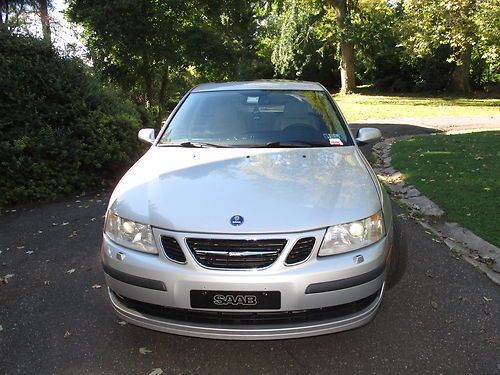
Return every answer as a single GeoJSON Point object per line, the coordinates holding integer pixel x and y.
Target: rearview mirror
{"type": "Point", "coordinates": [147, 135]}
{"type": "Point", "coordinates": [367, 135]}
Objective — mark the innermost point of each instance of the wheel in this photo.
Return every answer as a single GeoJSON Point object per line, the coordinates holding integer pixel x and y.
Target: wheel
{"type": "Point", "coordinates": [399, 257]}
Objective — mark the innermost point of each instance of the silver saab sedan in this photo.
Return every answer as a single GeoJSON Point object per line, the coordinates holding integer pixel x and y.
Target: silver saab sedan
{"type": "Point", "coordinates": [254, 215]}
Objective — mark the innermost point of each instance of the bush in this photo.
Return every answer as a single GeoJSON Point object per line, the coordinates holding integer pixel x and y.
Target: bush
{"type": "Point", "coordinates": [61, 131]}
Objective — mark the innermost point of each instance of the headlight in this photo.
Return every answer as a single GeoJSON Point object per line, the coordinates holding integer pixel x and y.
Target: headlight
{"type": "Point", "coordinates": [351, 236]}
{"type": "Point", "coordinates": [129, 233]}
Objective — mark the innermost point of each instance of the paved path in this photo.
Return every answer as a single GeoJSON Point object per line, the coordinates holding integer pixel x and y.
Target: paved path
{"type": "Point", "coordinates": [443, 318]}
{"type": "Point", "coordinates": [445, 123]}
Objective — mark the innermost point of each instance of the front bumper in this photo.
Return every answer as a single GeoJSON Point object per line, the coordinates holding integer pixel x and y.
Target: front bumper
{"type": "Point", "coordinates": [336, 281]}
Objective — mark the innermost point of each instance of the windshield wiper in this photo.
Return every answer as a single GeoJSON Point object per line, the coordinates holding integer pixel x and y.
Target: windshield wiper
{"type": "Point", "coordinates": [297, 144]}
{"type": "Point", "coordinates": [195, 144]}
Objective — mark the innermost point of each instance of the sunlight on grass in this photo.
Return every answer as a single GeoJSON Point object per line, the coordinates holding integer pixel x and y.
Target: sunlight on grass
{"type": "Point", "coordinates": [460, 173]}
{"type": "Point", "coordinates": [364, 107]}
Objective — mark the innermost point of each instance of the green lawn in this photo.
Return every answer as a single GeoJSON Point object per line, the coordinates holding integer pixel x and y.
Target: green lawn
{"type": "Point", "coordinates": [461, 173]}
{"type": "Point", "coordinates": [365, 106]}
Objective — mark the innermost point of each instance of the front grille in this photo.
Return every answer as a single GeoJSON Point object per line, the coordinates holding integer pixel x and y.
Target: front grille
{"type": "Point", "coordinates": [235, 254]}
{"type": "Point", "coordinates": [218, 318]}
{"type": "Point", "coordinates": [301, 250]}
{"type": "Point", "coordinates": [172, 249]}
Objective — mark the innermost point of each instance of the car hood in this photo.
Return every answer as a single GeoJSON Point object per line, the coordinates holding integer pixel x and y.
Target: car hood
{"type": "Point", "coordinates": [274, 190]}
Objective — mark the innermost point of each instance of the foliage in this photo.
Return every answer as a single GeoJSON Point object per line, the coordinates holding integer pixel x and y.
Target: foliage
{"type": "Point", "coordinates": [380, 58]}
{"type": "Point", "coordinates": [487, 19]}
{"type": "Point", "coordinates": [146, 46]}
{"type": "Point", "coordinates": [460, 173]}
{"type": "Point", "coordinates": [464, 29]}
{"type": "Point", "coordinates": [400, 46]}
{"type": "Point", "coordinates": [61, 131]}
{"type": "Point", "coordinates": [431, 24]}
{"type": "Point", "coordinates": [299, 38]}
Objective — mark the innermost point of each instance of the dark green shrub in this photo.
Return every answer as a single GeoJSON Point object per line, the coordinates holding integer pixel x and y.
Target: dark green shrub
{"type": "Point", "coordinates": [60, 130]}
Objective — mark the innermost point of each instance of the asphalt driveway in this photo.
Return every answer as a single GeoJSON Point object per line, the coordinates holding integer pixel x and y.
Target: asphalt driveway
{"type": "Point", "coordinates": [444, 316]}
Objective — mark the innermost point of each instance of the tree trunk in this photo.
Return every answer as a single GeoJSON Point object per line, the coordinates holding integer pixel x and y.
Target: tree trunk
{"type": "Point", "coordinates": [148, 83]}
{"type": "Point", "coordinates": [44, 18]}
{"type": "Point", "coordinates": [347, 72]}
{"type": "Point", "coordinates": [460, 77]}
{"type": "Point", "coordinates": [162, 97]}
{"type": "Point", "coordinates": [6, 2]}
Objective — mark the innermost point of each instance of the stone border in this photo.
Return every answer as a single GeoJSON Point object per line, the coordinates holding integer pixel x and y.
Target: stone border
{"type": "Point", "coordinates": [461, 241]}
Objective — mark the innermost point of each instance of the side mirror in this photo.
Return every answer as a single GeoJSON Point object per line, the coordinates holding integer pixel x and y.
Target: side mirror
{"type": "Point", "coordinates": [147, 135]}
{"type": "Point", "coordinates": [367, 135]}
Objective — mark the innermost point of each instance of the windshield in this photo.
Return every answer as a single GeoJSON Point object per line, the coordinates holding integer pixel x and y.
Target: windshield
{"type": "Point", "coordinates": [256, 118]}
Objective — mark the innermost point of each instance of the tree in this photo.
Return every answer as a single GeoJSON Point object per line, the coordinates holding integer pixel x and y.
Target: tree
{"type": "Point", "coordinates": [144, 45]}
{"type": "Point", "coordinates": [487, 49]}
{"type": "Point", "coordinates": [17, 16]}
{"type": "Point", "coordinates": [451, 23]}
{"type": "Point", "coordinates": [12, 12]}
{"type": "Point", "coordinates": [45, 20]}
{"type": "Point", "coordinates": [347, 72]}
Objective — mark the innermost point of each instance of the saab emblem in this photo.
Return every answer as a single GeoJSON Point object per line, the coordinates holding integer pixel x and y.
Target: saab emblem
{"type": "Point", "coordinates": [236, 220]}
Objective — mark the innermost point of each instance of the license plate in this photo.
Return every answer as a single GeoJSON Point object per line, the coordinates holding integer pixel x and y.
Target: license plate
{"type": "Point", "coordinates": [223, 299]}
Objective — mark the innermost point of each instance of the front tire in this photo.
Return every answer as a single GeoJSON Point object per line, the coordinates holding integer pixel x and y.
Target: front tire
{"type": "Point", "coordinates": [399, 256]}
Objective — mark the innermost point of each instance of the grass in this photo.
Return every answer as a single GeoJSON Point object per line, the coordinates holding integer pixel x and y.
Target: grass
{"type": "Point", "coordinates": [461, 173]}
{"type": "Point", "coordinates": [366, 106]}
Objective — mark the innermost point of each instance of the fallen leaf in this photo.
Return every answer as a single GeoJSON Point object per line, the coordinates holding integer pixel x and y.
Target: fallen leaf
{"type": "Point", "coordinates": [449, 321]}
{"type": "Point", "coordinates": [122, 323]}
{"type": "Point", "coordinates": [144, 350]}
{"type": "Point", "coordinates": [5, 279]}
{"type": "Point", "coordinates": [96, 286]}
{"type": "Point", "coordinates": [93, 219]}
{"type": "Point", "coordinates": [434, 305]}
{"type": "Point", "coordinates": [20, 247]}
{"type": "Point", "coordinates": [156, 371]}
{"type": "Point", "coordinates": [46, 283]}
{"type": "Point", "coordinates": [487, 299]}
{"type": "Point", "coordinates": [67, 334]}
{"type": "Point", "coordinates": [437, 240]}
{"type": "Point", "coordinates": [55, 224]}
{"type": "Point", "coordinates": [30, 252]}
{"type": "Point", "coordinates": [64, 223]}
{"type": "Point", "coordinates": [70, 271]}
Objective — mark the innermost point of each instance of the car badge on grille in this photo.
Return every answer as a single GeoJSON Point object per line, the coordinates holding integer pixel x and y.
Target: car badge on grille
{"type": "Point", "coordinates": [236, 220]}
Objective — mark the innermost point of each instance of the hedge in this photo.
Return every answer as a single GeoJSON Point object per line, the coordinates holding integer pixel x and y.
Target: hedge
{"type": "Point", "coordinates": [61, 131]}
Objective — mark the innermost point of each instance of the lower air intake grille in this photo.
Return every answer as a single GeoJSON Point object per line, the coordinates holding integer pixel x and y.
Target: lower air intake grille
{"type": "Point", "coordinates": [218, 319]}
{"type": "Point", "coordinates": [301, 250]}
{"type": "Point", "coordinates": [172, 249]}
{"type": "Point", "coordinates": [235, 254]}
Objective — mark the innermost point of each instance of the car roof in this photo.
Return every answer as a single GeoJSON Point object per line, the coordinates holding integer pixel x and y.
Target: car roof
{"type": "Point", "coordinates": [259, 85]}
